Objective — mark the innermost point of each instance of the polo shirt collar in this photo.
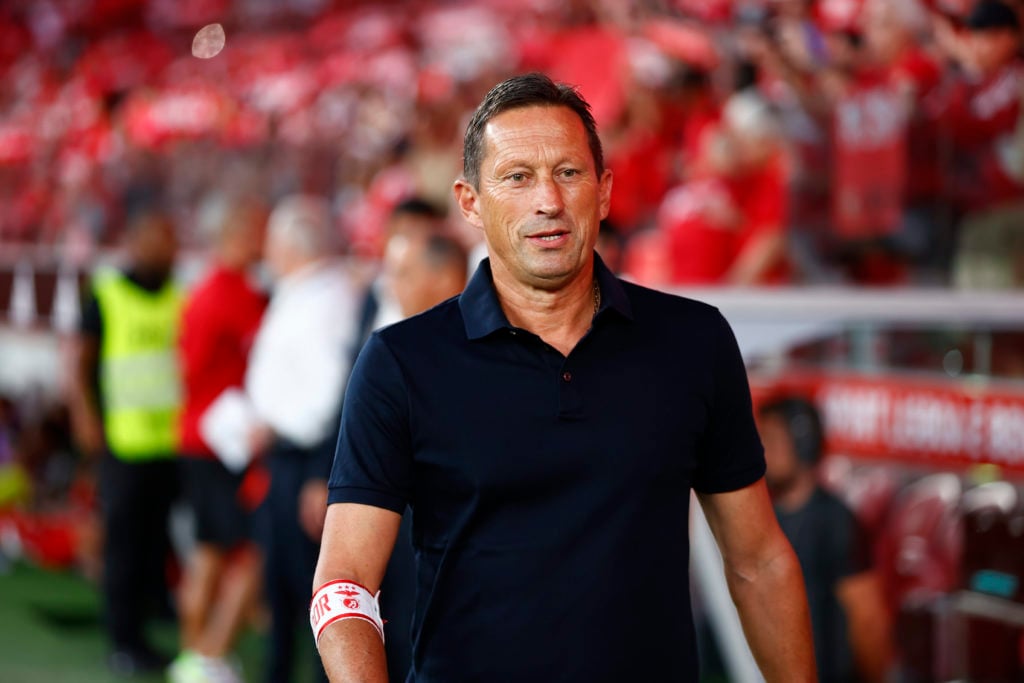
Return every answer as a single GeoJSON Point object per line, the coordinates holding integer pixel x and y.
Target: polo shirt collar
{"type": "Point", "coordinates": [482, 314]}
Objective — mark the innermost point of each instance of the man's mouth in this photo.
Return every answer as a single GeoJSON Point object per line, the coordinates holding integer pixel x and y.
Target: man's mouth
{"type": "Point", "coordinates": [548, 235]}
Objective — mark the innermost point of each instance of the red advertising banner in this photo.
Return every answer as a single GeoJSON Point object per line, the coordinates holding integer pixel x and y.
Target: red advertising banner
{"type": "Point", "coordinates": [931, 422]}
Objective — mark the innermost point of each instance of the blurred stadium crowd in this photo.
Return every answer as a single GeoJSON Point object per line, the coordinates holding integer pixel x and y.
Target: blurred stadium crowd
{"type": "Point", "coordinates": [753, 142]}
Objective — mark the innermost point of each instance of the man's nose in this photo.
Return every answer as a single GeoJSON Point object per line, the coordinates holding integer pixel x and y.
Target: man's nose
{"type": "Point", "coordinates": [548, 196]}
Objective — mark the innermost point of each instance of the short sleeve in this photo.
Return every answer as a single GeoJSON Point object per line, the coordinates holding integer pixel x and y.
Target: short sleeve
{"type": "Point", "coordinates": [730, 455]}
{"type": "Point", "coordinates": [373, 459]}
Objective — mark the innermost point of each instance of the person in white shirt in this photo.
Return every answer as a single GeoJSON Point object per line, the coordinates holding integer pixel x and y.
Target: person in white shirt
{"type": "Point", "coordinates": [296, 376]}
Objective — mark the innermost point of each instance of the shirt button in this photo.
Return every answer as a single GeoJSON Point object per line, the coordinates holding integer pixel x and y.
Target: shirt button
{"type": "Point", "coordinates": [513, 332]}
{"type": "Point", "coordinates": [567, 376]}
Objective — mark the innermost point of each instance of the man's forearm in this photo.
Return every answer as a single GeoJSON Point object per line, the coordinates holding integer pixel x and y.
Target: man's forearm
{"type": "Point", "coordinates": [356, 544]}
{"type": "Point", "coordinates": [773, 609]}
{"type": "Point", "coordinates": [352, 652]}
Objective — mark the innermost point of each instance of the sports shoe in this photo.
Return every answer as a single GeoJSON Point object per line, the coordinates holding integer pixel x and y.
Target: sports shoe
{"type": "Point", "coordinates": [191, 667]}
{"type": "Point", "coordinates": [187, 667]}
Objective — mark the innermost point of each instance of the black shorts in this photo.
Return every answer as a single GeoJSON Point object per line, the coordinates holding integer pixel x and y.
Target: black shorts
{"type": "Point", "coordinates": [212, 492]}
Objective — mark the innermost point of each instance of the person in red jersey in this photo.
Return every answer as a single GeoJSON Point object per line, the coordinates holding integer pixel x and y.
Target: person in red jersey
{"type": "Point", "coordinates": [892, 32]}
{"type": "Point", "coordinates": [893, 162]}
{"type": "Point", "coordinates": [220, 321]}
{"type": "Point", "coordinates": [725, 226]}
{"type": "Point", "coordinates": [983, 116]}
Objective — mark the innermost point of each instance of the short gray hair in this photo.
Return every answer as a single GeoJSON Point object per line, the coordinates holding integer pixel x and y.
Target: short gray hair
{"type": "Point", "coordinates": [526, 90]}
{"type": "Point", "coordinates": [304, 222]}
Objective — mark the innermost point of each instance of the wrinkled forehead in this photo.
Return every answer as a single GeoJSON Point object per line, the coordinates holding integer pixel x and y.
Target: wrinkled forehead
{"type": "Point", "coordinates": [525, 131]}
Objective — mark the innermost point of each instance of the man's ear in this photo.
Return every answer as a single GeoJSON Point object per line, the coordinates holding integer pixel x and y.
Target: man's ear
{"type": "Point", "coordinates": [605, 193]}
{"type": "Point", "coordinates": [468, 201]}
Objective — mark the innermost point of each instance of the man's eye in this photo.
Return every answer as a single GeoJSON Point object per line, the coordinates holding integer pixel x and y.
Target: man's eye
{"type": "Point", "coordinates": [570, 172]}
{"type": "Point", "coordinates": [517, 177]}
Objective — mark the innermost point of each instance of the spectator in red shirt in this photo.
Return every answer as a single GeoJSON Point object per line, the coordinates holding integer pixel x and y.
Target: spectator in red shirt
{"type": "Point", "coordinates": [220, 321]}
{"type": "Point", "coordinates": [900, 66]}
{"type": "Point", "coordinates": [984, 118]}
{"type": "Point", "coordinates": [726, 226]}
{"type": "Point", "coordinates": [984, 107]}
{"type": "Point", "coordinates": [893, 31]}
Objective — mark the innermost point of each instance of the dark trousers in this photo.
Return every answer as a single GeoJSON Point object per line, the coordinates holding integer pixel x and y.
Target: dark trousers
{"type": "Point", "coordinates": [289, 557]}
{"type": "Point", "coordinates": [135, 500]}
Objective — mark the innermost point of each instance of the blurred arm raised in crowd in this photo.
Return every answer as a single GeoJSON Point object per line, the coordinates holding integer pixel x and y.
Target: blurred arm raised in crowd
{"type": "Point", "coordinates": [759, 256]}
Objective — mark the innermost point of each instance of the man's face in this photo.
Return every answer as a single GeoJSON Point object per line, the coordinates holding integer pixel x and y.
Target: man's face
{"type": "Point", "coordinates": [780, 458]}
{"type": "Point", "coordinates": [154, 245]}
{"type": "Point", "coordinates": [540, 199]}
{"type": "Point", "coordinates": [246, 233]}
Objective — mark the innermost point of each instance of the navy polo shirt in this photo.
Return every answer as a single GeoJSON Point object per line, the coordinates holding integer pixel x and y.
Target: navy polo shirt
{"type": "Point", "coordinates": [550, 494]}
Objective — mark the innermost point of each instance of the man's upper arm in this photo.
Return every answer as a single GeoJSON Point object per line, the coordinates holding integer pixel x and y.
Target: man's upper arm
{"type": "Point", "coordinates": [356, 544]}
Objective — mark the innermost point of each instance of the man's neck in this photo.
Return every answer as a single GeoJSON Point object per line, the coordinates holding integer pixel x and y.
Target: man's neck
{"type": "Point", "coordinates": [560, 317]}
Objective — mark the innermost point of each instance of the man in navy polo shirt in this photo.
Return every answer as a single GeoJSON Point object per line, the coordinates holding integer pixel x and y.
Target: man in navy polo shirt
{"type": "Point", "coordinates": [546, 428]}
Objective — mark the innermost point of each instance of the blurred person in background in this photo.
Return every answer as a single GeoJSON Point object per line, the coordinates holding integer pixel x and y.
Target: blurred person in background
{"type": "Point", "coordinates": [424, 270]}
{"type": "Point", "coordinates": [219, 323]}
{"type": "Point", "coordinates": [852, 636]}
{"type": "Point", "coordinates": [421, 269]}
{"type": "Point", "coordinates": [297, 371]}
{"type": "Point", "coordinates": [869, 110]}
{"type": "Point", "coordinates": [782, 48]}
{"type": "Point", "coordinates": [413, 217]}
{"type": "Point", "coordinates": [125, 404]}
{"type": "Point", "coordinates": [727, 224]}
{"type": "Point", "coordinates": [900, 56]}
{"type": "Point", "coordinates": [983, 113]}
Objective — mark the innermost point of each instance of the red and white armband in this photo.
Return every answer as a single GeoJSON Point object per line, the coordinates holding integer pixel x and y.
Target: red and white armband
{"type": "Point", "coordinates": [340, 599]}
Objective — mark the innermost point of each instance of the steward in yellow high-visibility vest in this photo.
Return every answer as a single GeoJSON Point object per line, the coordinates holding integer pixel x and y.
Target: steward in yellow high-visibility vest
{"type": "Point", "coordinates": [124, 401]}
{"type": "Point", "coordinates": [139, 380]}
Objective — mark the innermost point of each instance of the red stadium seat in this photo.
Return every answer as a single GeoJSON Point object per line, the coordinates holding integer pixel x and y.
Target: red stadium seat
{"type": "Point", "coordinates": [919, 552]}
{"type": "Point", "coordinates": [993, 564]}
{"type": "Point", "coordinates": [993, 559]}
{"type": "Point", "coordinates": [921, 540]}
